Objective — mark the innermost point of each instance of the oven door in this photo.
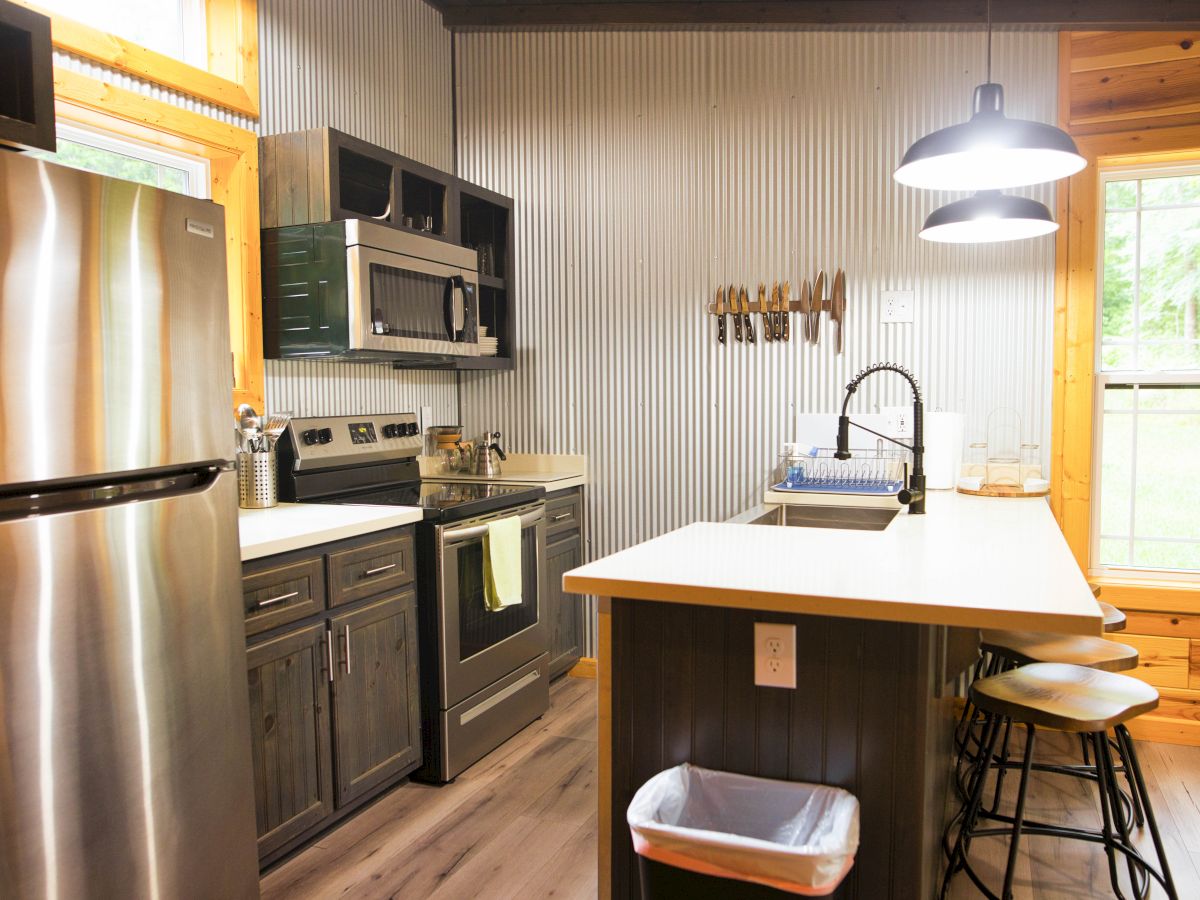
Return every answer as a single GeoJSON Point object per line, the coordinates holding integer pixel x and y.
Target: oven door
{"type": "Point", "coordinates": [479, 646]}
{"type": "Point", "coordinates": [404, 304]}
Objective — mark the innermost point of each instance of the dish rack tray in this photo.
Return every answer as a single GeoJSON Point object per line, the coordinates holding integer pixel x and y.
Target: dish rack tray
{"type": "Point", "coordinates": [868, 473]}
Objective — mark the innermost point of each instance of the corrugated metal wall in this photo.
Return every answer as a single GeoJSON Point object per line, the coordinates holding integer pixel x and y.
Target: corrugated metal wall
{"type": "Point", "coordinates": [648, 167]}
{"type": "Point", "coordinates": [377, 69]}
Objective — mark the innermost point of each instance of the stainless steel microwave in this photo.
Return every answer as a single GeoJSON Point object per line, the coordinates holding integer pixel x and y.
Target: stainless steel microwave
{"type": "Point", "coordinates": [357, 290]}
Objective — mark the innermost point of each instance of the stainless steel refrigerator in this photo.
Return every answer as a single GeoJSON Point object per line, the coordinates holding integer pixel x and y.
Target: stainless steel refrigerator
{"type": "Point", "coordinates": [124, 721]}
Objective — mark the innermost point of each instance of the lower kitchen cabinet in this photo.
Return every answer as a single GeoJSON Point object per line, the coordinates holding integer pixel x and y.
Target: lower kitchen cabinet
{"type": "Point", "coordinates": [564, 551]}
{"type": "Point", "coordinates": [334, 697]}
{"type": "Point", "coordinates": [376, 704]}
{"type": "Point", "coordinates": [289, 735]}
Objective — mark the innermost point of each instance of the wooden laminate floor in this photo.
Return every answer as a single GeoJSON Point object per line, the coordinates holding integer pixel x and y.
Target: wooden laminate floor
{"type": "Point", "coordinates": [521, 823]}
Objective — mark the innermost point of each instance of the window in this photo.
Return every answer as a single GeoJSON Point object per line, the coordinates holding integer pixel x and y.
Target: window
{"type": "Point", "coordinates": [1146, 501]}
{"type": "Point", "coordinates": [175, 28]}
{"type": "Point", "coordinates": [120, 157]}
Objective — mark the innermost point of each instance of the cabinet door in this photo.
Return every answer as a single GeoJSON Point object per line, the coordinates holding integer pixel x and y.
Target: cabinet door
{"type": "Point", "coordinates": [565, 610]}
{"type": "Point", "coordinates": [376, 704]}
{"type": "Point", "coordinates": [289, 734]}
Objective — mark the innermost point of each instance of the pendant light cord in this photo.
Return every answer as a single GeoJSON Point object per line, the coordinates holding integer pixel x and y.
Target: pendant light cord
{"type": "Point", "coordinates": [989, 41]}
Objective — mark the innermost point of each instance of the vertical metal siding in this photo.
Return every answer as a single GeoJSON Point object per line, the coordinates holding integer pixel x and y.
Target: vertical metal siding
{"type": "Point", "coordinates": [377, 69]}
{"type": "Point", "coordinates": [648, 167]}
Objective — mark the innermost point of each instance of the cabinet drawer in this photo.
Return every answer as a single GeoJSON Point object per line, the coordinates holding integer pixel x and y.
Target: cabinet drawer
{"type": "Point", "coordinates": [370, 569]}
{"type": "Point", "coordinates": [284, 593]}
{"type": "Point", "coordinates": [564, 513]}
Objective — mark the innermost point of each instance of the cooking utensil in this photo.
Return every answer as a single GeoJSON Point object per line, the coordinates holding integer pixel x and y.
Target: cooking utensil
{"type": "Point", "coordinates": [764, 311]}
{"type": "Point", "coordinates": [276, 425]}
{"type": "Point", "coordinates": [806, 310]}
{"type": "Point", "coordinates": [721, 314]}
{"type": "Point", "coordinates": [785, 300]}
{"type": "Point", "coordinates": [818, 304]}
{"type": "Point", "coordinates": [744, 299]}
{"type": "Point", "coordinates": [485, 465]}
{"type": "Point", "coordinates": [737, 315]}
{"type": "Point", "coordinates": [838, 300]}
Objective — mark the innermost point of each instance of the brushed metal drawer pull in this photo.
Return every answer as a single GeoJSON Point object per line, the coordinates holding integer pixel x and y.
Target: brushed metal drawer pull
{"type": "Point", "coordinates": [347, 632]}
{"type": "Point", "coordinates": [261, 603]}
{"type": "Point", "coordinates": [378, 569]}
{"type": "Point", "coordinates": [565, 515]}
{"type": "Point", "coordinates": [329, 651]}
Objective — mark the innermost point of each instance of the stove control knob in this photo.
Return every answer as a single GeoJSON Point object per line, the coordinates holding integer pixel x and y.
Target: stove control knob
{"type": "Point", "coordinates": [309, 437]}
{"type": "Point", "coordinates": [325, 436]}
{"type": "Point", "coordinates": [391, 431]}
{"type": "Point", "coordinates": [412, 429]}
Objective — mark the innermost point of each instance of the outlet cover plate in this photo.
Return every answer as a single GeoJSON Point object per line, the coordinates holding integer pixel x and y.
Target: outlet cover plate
{"type": "Point", "coordinates": [774, 655]}
{"type": "Point", "coordinates": [897, 306]}
{"type": "Point", "coordinates": [899, 421]}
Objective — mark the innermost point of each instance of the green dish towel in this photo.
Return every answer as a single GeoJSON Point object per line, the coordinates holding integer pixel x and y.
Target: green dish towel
{"type": "Point", "coordinates": [502, 564]}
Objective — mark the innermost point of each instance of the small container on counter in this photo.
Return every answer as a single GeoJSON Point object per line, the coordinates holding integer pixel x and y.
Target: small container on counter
{"type": "Point", "coordinates": [256, 480]}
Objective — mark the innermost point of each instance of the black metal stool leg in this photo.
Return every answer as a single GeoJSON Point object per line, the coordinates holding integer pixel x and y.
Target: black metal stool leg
{"type": "Point", "coordinates": [1002, 769]}
{"type": "Point", "coordinates": [1019, 816]}
{"type": "Point", "coordinates": [1124, 744]}
{"type": "Point", "coordinates": [1131, 762]}
{"type": "Point", "coordinates": [1139, 878]}
{"type": "Point", "coordinates": [1099, 745]}
{"type": "Point", "coordinates": [991, 731]}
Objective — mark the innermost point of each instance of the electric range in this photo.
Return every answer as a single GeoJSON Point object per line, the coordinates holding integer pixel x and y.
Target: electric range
{"type": "Point", "coordinates": [484, 674]}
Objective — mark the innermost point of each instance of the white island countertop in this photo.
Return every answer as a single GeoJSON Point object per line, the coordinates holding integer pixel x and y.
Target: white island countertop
{"type": "Point", "coordinates": [294, 526]}
{"type": "Point", "coordinates": [977, 562]}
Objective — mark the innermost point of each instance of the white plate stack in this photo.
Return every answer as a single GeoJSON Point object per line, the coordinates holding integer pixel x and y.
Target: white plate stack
{"type": "Point", "coordinates": [488, 346]}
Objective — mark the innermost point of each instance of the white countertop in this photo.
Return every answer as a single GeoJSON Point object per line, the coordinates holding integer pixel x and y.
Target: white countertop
{"type": "Point", "coordinates": [293, 526]}
{"type": "Point", "coordinates": [977, 562]}
{"type": "Point", "coordinates": [554, 472]}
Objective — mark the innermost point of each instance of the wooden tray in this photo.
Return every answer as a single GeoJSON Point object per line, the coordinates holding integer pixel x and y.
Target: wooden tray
{"type": "Point", "coordinates": [1002, 490]}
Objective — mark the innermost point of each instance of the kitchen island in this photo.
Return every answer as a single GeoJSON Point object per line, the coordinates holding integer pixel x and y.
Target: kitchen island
{"type": "Point", "coordinates": [885, 622]}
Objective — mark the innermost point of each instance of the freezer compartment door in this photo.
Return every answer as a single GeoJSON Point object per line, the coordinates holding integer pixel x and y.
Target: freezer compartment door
{"type": "Point", "coordinates": [114, 325]}
{"type": "Point", "coordinates": [124, 722]}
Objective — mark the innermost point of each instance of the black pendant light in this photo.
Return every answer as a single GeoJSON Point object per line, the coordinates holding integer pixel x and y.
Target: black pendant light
{"type": "Point", "coordinates": [991, 151]}
{"type": "Point", "coordinates": [988, 217]}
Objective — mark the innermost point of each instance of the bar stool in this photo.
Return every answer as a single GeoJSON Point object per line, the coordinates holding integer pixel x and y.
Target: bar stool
{"type": "Point", "coordinates": [1073, 699]}
{"type": "Point", "coordinates": [1008, 649]}
{"type": "Point", "coordinates": [1114, 619]}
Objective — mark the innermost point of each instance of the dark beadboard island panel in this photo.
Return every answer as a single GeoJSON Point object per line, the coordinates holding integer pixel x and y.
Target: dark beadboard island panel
{"type": "Point", "coordinates": [870, 713]}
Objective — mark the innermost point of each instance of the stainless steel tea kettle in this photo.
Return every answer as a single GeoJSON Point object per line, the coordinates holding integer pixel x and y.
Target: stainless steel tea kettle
{"type": "Point", "coordinates": [485, 463]}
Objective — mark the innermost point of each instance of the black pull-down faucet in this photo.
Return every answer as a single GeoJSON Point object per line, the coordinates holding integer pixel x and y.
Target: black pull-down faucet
{"type": "Point", "coordinates": [914, 494]}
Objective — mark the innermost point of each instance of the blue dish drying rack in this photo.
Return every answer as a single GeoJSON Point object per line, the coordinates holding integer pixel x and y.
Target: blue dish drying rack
{"type": "Point", "coordinates": [867, 473]}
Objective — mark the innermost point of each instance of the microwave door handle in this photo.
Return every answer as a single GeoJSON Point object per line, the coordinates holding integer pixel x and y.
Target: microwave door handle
{"type": "Point", "coordinates": [465, 296]}
{"type": "Point", "coordinates": [455, 306]}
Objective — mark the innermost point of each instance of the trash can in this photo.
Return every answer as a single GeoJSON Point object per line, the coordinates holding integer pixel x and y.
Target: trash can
{"type": "Point", "coordinates": [702, 833]}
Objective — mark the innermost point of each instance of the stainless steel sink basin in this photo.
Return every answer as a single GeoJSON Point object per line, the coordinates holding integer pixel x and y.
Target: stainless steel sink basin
{"type": "Point", "coordinates": [856, 518]}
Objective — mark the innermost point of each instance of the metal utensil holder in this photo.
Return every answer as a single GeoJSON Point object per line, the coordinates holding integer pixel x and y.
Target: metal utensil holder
{"type": "Point", "coordinates": [256, 480]}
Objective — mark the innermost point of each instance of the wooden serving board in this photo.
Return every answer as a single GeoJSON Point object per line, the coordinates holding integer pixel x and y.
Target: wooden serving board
{"type": "Point", "coordinates": [1002, 490]}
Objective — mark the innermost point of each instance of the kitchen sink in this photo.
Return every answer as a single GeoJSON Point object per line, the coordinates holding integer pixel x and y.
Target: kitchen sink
{"type": "Point", "coordinates": [856, 518]}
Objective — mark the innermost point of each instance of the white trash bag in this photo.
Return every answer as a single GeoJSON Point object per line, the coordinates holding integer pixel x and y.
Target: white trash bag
{"type": "Point", "coordinates": [787, 835]}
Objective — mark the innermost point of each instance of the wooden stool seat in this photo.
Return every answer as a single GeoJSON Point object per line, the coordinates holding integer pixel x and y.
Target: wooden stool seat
{"type": "Point", "coordinates": [1064, 697]}
{"type": "Point", "coordinates": [1025, 647]}
{"type": "Point", "coordinates": [1095, 589]}
{"type": "Point", "coordinates": [1114, 619]}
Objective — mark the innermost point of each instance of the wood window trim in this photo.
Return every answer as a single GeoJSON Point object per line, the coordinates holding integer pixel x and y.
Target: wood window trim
{"type": "Point", "coordinates": [1072, 425]}
{"type": "Point", "coordinates": [232, 153]}
{"type": "Point", "coordinates": [231, 79]}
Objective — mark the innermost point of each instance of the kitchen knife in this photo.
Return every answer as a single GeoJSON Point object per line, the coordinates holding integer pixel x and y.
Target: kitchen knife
{"type": "Point", "coordinates": [764, 311]}
{"type": "Point", "coordinates": [720, 313]}
{"type": "Point", "coordinates": [805, 310]}
{"type": "Point", "coordinates": [818, 304]}
{"type": "Point", "coordinates": [773, 318]}
{"type": "Point", "coordinates": [785, 331]}
{"type": "Point", "coordinates": [839, 305]}
{"type": "Point", "coordinates": [749, 322]}
{"type": "Point", "coordinates": [737, 316]}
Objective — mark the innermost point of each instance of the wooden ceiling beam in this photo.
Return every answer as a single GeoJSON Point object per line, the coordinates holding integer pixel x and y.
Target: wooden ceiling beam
{"type": "Point", "coordinates": [1101, 15]}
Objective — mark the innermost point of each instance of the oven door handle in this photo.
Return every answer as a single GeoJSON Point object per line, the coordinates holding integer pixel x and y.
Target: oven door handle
{"type": "Point", "coordinates": [474, 531]}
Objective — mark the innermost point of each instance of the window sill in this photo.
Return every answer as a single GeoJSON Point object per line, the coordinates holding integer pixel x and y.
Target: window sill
{"type": "Point", "coordinates": [1150, 595]}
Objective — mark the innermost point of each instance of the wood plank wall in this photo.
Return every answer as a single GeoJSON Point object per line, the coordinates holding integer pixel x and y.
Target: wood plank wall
{"type": "Point", "coordinates": [1122, 94]}
{"type": "Point", "coordinates": [863, 717]}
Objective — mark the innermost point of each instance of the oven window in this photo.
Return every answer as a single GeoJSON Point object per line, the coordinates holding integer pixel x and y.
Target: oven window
{"type": "Point", "coordinates": [408, 304]}
{"type": "Point", "coordinates": [479, 628]}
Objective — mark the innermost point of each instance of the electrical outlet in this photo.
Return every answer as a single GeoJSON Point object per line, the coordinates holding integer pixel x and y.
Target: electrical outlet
{"type": "Point", "coordinates": [899, 421]}
{"type": "Point", "coordinates": [897, 306]}
{"type": "Point", "coordinates": [774, 655]}
{"type": "Point", "coordinates": [426, 418]}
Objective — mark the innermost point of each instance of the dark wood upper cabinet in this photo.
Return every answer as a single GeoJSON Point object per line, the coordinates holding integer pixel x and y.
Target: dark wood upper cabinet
{"type": "Point", "coordinates": [26, 79]}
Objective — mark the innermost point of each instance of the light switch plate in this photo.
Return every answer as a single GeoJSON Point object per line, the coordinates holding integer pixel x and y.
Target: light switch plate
{"type": "Point", "coordinates": [897, 306]}
{"type": "Point", "coordinates": [774, 655]}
